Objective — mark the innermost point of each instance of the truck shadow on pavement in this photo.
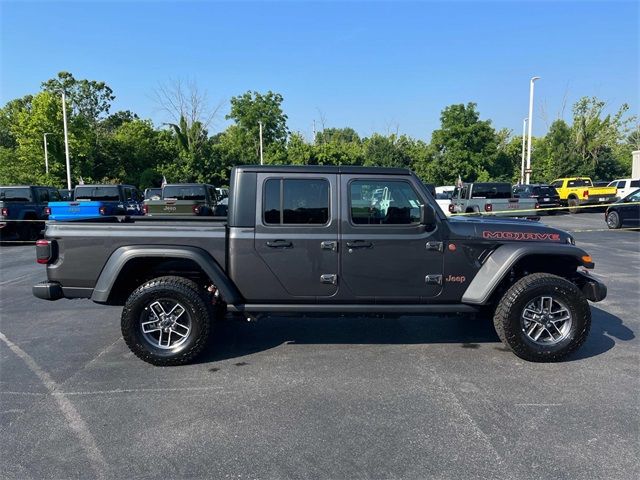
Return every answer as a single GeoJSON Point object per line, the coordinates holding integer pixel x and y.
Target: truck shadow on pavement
{"type": "Point", "coordinates": [233, 339]}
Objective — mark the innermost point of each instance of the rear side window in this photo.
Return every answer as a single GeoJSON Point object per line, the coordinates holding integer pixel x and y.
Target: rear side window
{"type": "Point", "coordinates": [97, 194]}
{"type": "Point", "coordinates": [579, 182]}
{"type": "Point", "coordinates": [383, 202]}
{"type": "Point", "coordinates": [292, 201]}
{"type": "Point", "coordinates": [54, 196]}
{"type": "Point", "coordinates": [635, 184]}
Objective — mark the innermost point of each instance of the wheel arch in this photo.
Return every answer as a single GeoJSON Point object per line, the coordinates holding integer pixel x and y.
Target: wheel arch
{"type": "Point", "coordinates": [128, 266]}
{"type": "Point", "coordinates": [510, 262]}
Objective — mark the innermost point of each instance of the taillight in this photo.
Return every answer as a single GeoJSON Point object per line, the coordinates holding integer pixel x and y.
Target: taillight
{"type": "Point", "coordinates": [452, 208]}
{"type": "Point", "coordinates": [585, 194]}
{"type": "Point", "coordinates": [196, 209]}
{"type": "Point", "coordinates": [5, 212]}
{"type": "Point", "coordinates": [488, 207]}
{"type": "Point", "coordinates": [145, 209]}
{"type": "Point", "coordinates": [103, 210]}
{"type": "Point", "coordinates": [47, 210]}
{"type": "Point", "coordinates": [537, 205]}
{"type": "Point", "coordinates": [44, 251]}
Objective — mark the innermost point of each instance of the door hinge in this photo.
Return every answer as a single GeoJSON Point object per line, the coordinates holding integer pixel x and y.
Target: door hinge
{"type": "Point", "coordinates": [433, 279]}
{"type": "Point", "coordinates": [329, 278]}
{"type": "Point", "coordinates": [437, 246]}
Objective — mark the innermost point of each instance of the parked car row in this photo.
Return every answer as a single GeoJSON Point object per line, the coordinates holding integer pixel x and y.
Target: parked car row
{"type": "Point", "coordinates": [24, 209]}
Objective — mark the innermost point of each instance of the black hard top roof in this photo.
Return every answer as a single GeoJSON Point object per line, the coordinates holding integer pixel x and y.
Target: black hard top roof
{"type": "Point", "coordinates": [98, 185]}
{"type": "Point", "coordinates": [323, 169]}
{"type": "Point", "coordinates": [187, 185]}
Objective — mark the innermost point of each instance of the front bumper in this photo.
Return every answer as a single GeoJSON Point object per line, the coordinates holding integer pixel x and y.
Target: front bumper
{"type": "Point", "coordinates": [593, 289]}
{"type": "Point", "coordinates": [48, 290]}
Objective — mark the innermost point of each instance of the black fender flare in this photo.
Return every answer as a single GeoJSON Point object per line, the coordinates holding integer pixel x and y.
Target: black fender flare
{"type": "Point", "coordinates": [120, 257]}
{"type": "Point", "coordinates": [497, 266]}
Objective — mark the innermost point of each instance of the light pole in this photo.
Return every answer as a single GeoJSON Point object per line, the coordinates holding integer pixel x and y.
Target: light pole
{"type": "Point", "coordinates": [261, 159]}
{"type": "Point", "coordinates": [46, 153]}
{"type": "Point", "coordinates": [524, 147]}
{"type": "Point", "coordinates": [66, 139]}
{"type": "Point", "coordinates": [528, 169]}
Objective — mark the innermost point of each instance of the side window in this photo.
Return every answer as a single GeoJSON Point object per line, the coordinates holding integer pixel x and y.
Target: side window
{"type": "Point", "coordinates": [296, 201]}
{"type": "Point", "coordinates": [54, 196]}
{"type": "Point", "coordinates": [383, 202]}
{"type": "Point", "coordinates": [557, 184]}
{"type": "Point", "coordinates": [43, 195]}
{"type": "Point", "coordinates": [635, 183]}
{"type": "Point", "coordinates": [127, 194]}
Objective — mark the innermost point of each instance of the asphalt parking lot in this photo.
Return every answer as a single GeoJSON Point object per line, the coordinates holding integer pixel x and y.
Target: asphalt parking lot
{"type": "Point", "coordinates": [334, 398]}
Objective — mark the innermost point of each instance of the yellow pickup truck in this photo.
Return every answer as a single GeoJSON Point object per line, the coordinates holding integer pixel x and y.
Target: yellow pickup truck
{"type": "Point", "coordinates": [577, 191]}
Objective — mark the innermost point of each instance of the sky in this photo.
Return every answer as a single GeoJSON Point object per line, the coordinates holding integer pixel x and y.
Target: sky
{"type": "Point", "coordinates": [374, 66]}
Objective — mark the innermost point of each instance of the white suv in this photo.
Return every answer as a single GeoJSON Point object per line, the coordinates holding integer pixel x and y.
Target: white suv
{"type": "Point", "coordinates": [625, 186]}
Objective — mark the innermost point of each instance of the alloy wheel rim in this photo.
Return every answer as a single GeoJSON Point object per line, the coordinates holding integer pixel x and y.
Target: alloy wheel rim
{"type": "Point", "coordinates": [611, 220]}
{"type": "Point", "coordinates": [546, 320]}
{"type": "Point", "coordinates": [165, 324]}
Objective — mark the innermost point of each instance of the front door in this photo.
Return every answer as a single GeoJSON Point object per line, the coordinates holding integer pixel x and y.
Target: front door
{"type": "Point", "coordinates": [387, 255]}
{"type": "Point", "coordinates": [296, 232]}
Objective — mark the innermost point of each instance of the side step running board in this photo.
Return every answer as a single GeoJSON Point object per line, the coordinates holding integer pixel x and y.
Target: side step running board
{"type": "Point", "coordinates": [350, 308]}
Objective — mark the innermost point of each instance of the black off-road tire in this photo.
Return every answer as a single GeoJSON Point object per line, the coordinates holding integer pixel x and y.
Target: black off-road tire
{"type": "Point", "coordinates": [197, 305]}
{"type": "Point", "coordinates": [573, 205]}
{"type": "Point", "coordinates": [508, 324]}
{"type": "Point", "coordinates": [613, 220]}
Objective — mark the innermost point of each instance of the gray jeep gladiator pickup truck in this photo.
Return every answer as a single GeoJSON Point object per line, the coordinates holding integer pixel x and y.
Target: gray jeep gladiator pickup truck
{"type": "Point", "coordinates": [313, 239]}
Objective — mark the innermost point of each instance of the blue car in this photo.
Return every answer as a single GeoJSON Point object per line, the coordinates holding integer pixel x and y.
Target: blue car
{"type": "Point", "coordinates": [96, 201]}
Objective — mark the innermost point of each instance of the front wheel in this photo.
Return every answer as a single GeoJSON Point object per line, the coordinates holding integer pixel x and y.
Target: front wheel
{"type": "Point", "coordinates": [543, 318]}
{"type": "Point", "coordinates": [166, 321]}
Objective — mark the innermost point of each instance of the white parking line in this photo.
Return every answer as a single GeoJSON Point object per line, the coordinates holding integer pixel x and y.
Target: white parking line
{"type": "Point", "coordinates": [74, 420]}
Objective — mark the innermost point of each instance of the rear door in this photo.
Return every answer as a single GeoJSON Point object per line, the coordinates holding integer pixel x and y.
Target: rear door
{"type": "Point", "coordinates": [296, 233]}
{"type": "Point", "coordinates": [386, 255]}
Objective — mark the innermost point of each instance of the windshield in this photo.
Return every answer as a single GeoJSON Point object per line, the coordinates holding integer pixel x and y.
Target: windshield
{"type": "Point", "coordinates": [184, 192]}
{"type": "Point", "coordinates": [97, 194]}
{"type": "Point", "coordinates": [491, 190]}
{"type": "Point", "coordinates": [15, 194]}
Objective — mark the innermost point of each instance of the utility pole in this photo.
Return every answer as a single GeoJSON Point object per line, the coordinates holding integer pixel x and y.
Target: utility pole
{"type": "Point", "coordinates": [66, 139]}
{"type": "Point", "coordinates": [524, 146]}
{"type": "Point", "coordinates": [261, 158]}
{"type": "Point", "coordinates": [314, 131]}
{"type": "Point", "coordinates": [46, 154]}
{"type": "Point", "coordinates": [528, 169]}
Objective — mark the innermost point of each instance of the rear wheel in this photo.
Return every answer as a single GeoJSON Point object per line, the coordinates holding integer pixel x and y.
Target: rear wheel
{"type": "Point", "coordinates": [573, 205]}
{"type": "Point", "coordinates": [613, 220]}
{"type": "Point", "coordinates": [543, 318]}
{"type": "Point", "coordinates": [167, 321]}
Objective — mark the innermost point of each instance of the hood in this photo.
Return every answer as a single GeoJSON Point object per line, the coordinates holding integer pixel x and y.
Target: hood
{"type": "Point", "coordinates": [507, 230]}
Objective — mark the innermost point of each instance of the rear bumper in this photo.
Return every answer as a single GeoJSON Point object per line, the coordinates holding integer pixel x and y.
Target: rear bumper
{"type": "Point", "coordinates": [48, 291]}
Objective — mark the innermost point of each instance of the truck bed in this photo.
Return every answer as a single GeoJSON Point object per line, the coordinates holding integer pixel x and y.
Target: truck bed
{"type": "Point", "coordinates": [93, 242]}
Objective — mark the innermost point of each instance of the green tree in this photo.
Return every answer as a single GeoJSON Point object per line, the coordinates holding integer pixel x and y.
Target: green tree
{"type": "Point", "coordinates": [89, 99]}
{"type": "Point", "coordinates": [464, 145]}
{"type": "Point", "coordinates": [251, 108]}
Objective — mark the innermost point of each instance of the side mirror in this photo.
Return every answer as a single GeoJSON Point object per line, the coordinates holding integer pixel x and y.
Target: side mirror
{"type": "Point", "coordinates": [427, 216]}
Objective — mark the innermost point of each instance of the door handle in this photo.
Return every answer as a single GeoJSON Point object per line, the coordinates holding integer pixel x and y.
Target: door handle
{"type": "Point", "coordinates": [329, 245]}
{"type": "Point", "coordinates": [279, 244]}
{"type": "Point", "coordinates": [359, 244]}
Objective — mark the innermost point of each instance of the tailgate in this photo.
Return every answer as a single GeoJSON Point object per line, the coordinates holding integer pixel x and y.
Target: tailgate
{"type": "Point", "coordinates": [603, 191]}
{"type": "Point", "coordinates": [74, 210]}
{"type": "Point", "coordinates": [173, 207]}
{"type": "Point", "coordinates": [513, 206]}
